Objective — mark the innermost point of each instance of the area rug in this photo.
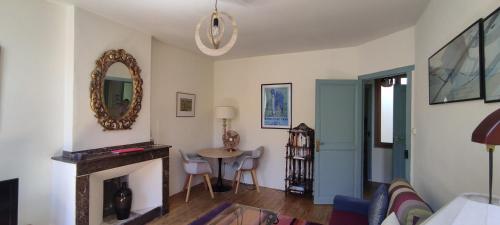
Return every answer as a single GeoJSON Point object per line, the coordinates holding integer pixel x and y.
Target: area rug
{"type": "Point", "coordinates": [282, 219]}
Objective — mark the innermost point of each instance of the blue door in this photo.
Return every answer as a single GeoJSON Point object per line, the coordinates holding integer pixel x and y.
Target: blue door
{"type": "Point", "coordinates": [337, 161]}
{"type": "Point", "coordinates": [399, 132]}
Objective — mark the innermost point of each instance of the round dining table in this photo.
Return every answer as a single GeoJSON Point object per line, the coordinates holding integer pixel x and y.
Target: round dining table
{"type": "Point", "coordinates": [219, 154]}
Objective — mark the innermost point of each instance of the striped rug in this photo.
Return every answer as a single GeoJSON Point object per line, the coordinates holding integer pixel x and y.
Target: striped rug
{"type": "Point", "coordinates": [257, 219]}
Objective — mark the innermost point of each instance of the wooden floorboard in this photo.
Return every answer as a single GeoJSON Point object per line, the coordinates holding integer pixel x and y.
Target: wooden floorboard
{"type": "Point", "coordinates": [271, 199]}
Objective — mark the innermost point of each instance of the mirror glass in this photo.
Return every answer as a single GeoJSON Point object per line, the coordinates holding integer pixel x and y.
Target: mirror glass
{"type": "Point", "coordinates": [118, 90]}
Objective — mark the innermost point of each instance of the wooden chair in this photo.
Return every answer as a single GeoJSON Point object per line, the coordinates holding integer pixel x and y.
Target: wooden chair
{"type": "Point", "coordinates": [196, 165]}
{"type": "Point", "coordinates": [247, 162]}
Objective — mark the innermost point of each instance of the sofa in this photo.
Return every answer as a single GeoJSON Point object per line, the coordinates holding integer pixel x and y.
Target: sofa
{"type": "Point", "coordinates": [399, 198]}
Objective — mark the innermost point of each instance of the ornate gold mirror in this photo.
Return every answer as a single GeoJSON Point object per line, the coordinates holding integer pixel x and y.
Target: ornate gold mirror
{"type": "Point", "coordinates": [116, 90]}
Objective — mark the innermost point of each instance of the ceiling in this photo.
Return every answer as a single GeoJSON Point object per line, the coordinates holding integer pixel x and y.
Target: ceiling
{"type": "Point", "coordinates": [266, 26]}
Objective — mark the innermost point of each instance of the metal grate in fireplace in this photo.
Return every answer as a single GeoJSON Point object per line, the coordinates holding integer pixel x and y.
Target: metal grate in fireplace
{"type": "Point", "coordinates": [9, 190]}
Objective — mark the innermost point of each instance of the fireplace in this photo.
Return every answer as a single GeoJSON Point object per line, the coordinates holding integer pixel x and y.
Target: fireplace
{"type": "Point", "coordinates": [85, 182]}
{"type": "Point", "coordinates": [8, 201]}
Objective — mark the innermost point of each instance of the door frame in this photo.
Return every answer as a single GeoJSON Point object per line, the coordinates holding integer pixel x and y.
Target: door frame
{"type": "Point", "coordinates": [408, 70]}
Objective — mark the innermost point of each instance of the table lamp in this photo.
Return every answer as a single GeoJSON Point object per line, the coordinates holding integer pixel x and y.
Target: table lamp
{"type": "Point", "coordinates": [225, 113]}
{"type": "Point", "coordinates": [488, 133]}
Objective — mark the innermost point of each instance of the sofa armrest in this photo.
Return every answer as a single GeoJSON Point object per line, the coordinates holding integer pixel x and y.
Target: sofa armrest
{"type": "Point", "coordinates": [350, 204]}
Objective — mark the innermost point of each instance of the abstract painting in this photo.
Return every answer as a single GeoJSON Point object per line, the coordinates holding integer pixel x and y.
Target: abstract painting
{"type": "Point", "coordinates": [185, 104]}
{"type": "Point", "coordinates": [491, 42]}
{"type": "Point", "coordinates": [276, 106]}
{"type": "Point", "coordinates": [455, 70]}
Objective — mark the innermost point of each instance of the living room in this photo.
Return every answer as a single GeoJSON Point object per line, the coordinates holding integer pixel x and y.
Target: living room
{"type": "Point", "coordinates": [64, 140]}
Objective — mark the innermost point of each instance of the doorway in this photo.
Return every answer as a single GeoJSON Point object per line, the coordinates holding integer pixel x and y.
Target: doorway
{"type": "Point", "coordinates": [386, 128]}
{"type": "Point", "coordinates": [340, 122]}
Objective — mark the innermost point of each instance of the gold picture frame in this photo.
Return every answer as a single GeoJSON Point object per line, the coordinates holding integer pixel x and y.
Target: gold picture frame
{"type": "Point", "coordinates": [97, 90]}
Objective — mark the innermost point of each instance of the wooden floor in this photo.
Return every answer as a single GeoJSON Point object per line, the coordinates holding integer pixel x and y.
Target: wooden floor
{"type": "Point", "coordinates": [275, 200]}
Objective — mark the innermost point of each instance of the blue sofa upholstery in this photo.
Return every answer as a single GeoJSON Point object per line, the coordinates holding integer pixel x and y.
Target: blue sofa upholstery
{"type": "Point", "coordinates": [349, 211]}
{"type": "Point", "coordinates": [350, 204]}
{"type": "Point", "coordinates": [353, 211]}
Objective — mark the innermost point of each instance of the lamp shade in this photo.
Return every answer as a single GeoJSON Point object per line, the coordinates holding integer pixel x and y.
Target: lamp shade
{"type": "Point", "coordinates": [224, 112]}
{"type": "Point", "coordinates": [467, 209]}
{"type": "Point", "coordinates": [488, 131]}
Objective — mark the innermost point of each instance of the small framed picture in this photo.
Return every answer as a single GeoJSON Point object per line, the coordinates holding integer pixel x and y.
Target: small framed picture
{"type": "Point", "coordinates": [455, 71]}
{"type": "Point", "coordinates": [491, 26]}
{"type": "Point", "coordinates": [185, 104]}
{"type": "Point", "coordinates": [276, 106]}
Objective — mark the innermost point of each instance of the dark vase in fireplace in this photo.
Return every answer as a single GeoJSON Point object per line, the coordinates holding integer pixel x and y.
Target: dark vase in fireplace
{"type": "Point", "coordinates": [123, 202]}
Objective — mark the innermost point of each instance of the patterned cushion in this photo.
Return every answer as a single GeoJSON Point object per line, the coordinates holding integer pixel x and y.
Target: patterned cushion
{"type": "Point", "coordinates": [378, 206]}
{"type": "Point", "coordinates": [406, 204]}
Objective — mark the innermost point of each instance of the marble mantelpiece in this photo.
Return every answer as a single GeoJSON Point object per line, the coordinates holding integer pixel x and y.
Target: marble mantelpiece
{"type": "Point", "coordinates": [93, 161]}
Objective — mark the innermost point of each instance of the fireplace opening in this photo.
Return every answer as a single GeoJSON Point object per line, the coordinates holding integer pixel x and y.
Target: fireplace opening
{"type": "Point", "coordinates": [9, 190]}
{"type": "Point", "coordinates": [110, 188]}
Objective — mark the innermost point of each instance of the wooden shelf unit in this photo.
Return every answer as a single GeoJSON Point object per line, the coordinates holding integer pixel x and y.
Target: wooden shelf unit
{"type": "Point", "coordinates": [299, 172]}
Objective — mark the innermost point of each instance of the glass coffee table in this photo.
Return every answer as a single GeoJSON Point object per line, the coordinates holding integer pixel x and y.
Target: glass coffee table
{"type": "Point", "coordinates": [237, 214]}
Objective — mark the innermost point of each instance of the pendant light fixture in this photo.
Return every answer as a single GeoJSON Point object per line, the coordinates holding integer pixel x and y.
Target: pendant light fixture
{"type": "Point", "coordinates": [215, 33]}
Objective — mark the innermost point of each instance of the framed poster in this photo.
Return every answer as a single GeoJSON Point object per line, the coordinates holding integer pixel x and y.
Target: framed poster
{"type": "Point", "coordinates": [276, 106]}
{"type": "Point", "coordinates": [185, 104]}
{"type": "Point", "coordinates": [455, 70]}
{"type": "Point", "coordinates": [491, 27]}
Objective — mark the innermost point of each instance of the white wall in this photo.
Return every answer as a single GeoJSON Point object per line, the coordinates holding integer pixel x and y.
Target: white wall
{"type": "Point", "coordinates": [392, 51]}
{"type": "Point", "coordinates": [445, 161]}
{"type": "Point", "coordinates": [94, 35]}
{"type": "Point", "coordinates": [237, 83]}
{"type": "Point", "coordinates": [32, 56]}
{"type": "Point", "coordinates": [176, 70]}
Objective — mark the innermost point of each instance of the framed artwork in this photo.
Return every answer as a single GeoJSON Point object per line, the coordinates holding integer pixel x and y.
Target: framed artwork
{"type": "Point", "coordinates": [276, 106]}
{"type": "Point", "coordinates": [185, 104]}
{"type": "Point", "coordinates": [491, 27]}
{"type": "Point", "coordinates": [455, 70]}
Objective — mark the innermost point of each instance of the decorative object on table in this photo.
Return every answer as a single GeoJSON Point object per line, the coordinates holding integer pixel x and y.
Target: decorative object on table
{"type": "Point", "coordinates": [455, 70]}
{"type": "Point", "coordinates": [491, 27]}
{"type": "Point", "coordinates": [227, 113]}
{"type": "Point", "coordinates": [185, 104]}
{"type": "Point", "coordinates": [215, 31]}
{"type": "Point", "coordinates": [195, 165]}
{"type": "Point", "coordinates": [299, 171]}
{"type": "Point", "coordinates": [116, 90]}
{"type": "Point", "coordinates": [488, 133]}
{"type": "Point", "coordinates": [276, 106]}
{"type": "Point", "coordinates": [247, 162]}
{"type": "Point", "coordinates": [231, 140]}
{"type": "Point", "coordinates": [469, 208]}
{"type": "Point", "coordinates": [123, 202]}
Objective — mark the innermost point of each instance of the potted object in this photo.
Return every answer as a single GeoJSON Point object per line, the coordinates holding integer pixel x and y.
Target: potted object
{"type": "Point", "coordinates": [123, 202]}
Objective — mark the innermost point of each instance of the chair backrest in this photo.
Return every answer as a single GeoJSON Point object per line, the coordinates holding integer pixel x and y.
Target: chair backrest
{"type": "Point", "coordinates": [184, 156]}
{"type": "Point", "coordinates": [257, 153]}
